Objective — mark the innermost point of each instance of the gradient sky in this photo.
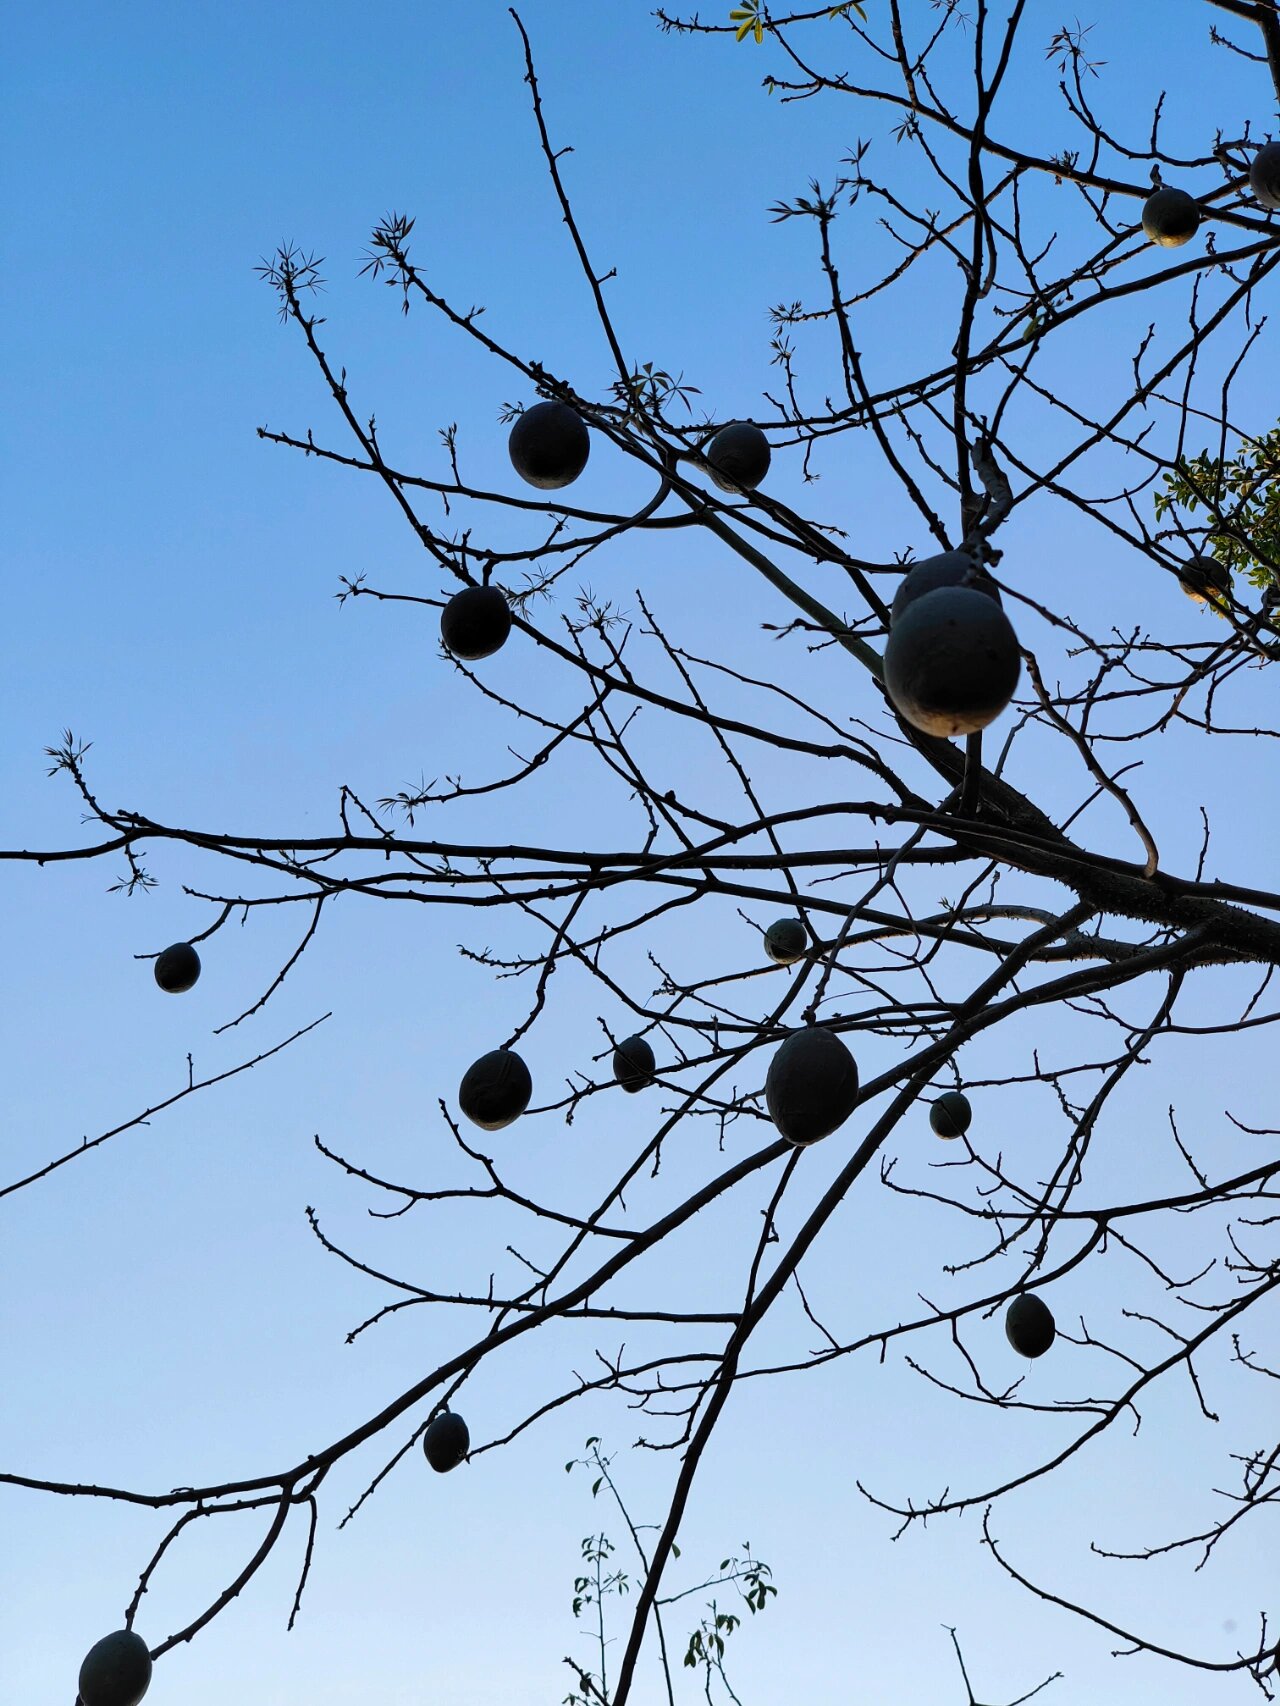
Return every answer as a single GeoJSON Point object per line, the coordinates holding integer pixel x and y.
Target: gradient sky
{"type": "Point", "coordinates": [167, 1317]}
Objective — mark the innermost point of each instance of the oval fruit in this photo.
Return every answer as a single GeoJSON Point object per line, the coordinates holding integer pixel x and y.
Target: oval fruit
{"type": "Point", "coordinates": [634, 1064]}
{"type": "Point", "coordinates": [951, 1115]}
{"type": "Point", "coordinates": [1264, 175]}
{"type": "Point", "coordinates": [495, 1090]}
{"type": "Point", "coordinates": [177, 968]}
{"type": "Point", "coordinates": [446, 1441]}
{"type": "Point", "coordinates": [951, 663]}
{"type": "Point", "coordinates": [116, 1670]}
{"type": "Point", "coordinates": [811, 1087]}
{"type": "Point", "coordinates": [786, 940]}
{"type": "Point", "coordinates": [1029, 1325]}
{"type": "Point", "coordinates": [1202, 578]}
{"type": "Point", "coordinates": [475, 623]}
{"type": "Point", "coordinates": [1170, 218]}
{"type": "Point", "coordinates": [738, 457]}
{"type": "Point", "coordinates": [549, 445]}
{"type": "Point", "coordinates": [948, 568]}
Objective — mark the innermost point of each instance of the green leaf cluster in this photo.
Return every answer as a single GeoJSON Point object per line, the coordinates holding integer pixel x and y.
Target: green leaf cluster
{"type": "Point", "coordinates": [1244, 491]}
{"type": "Point", "coordinates": [749, 22]}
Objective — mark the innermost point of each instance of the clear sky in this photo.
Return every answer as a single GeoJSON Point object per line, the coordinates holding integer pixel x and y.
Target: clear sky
{"type": "Point", "coordinates": [167, 1317]}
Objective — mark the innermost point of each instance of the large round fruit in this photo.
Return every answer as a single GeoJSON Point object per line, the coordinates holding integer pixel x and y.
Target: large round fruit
{"type": "Point", "coordinates": [738, 457]}
{"type": "Point", "coordinates": [951, 1115]}
{"type": "Point", "coordinates": [634, 1064]}
{"type": "Point", "coordinates": [549, 445]}
{"type": "Point", "coordinates": [951, 663]}
{"type": "Point", "coordinates": [116, 1670]}
{"type": "Point", "coordinates": [177, 968]}
{"type": "Point", "coordinates": [1170, 217]}
{"type": "Point", "coordinates": [786, 940]}
{"type": "Point", "coordinates": [495, 1089]}
{"type": "Point", "coordinates": [1029, 1325]}
{"type": "Point", "coordinates": [475, 623]}
{"type": "Point", "coordinates": [1201, 578]}
{"type": "Point", "coordinates": [446, 1441]}
{"type": "Point", "coordinates": [811, 1087]}
{"type": "Point", "coordinates": [948, 568]}
{"type": "Point", "coordinates": [1264, 175]}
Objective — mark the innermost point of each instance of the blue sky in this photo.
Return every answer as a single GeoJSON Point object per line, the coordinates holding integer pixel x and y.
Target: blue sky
{"type": "Point", "coordinates": [167, 1317]}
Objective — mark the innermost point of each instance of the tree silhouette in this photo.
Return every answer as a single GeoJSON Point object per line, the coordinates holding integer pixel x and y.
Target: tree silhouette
{"type": "Point", "coordinates": [1033, 260]}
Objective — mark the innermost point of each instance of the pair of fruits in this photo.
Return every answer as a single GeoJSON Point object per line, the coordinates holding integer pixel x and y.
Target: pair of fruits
{"type": "Point", "coordinates": [1171, 217]}
{"type": "Point", "coordinates": [497, 1088]}
{"type": "Point", "coordinates": [951, 662]}
{"type": "Point", "coordinates": [811, 1088]}
{"type": "Point", "coordinates": [549, 446]}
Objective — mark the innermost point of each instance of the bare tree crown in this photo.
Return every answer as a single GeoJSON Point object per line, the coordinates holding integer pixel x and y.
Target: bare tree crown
{"type": "Point", "coordinates": [987, 735]}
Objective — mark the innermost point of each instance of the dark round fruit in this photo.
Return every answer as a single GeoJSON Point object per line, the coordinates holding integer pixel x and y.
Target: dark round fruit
{"type": "Point", "coordinates": [475, 623]}
{"type": "Point", "coordinates": [495, 1089]}
{"type": "Point", "coordinates": [1264, 175]}
{"type": "Point", "coordinates": [446, 1442]}
{"type": "Point", "coordinates": [1201, 578]}
{"type": "Point", "coordinates": [116, 1670]}
{"type": "Point", "coordinates": [948, 568]}
{"type": "Point", "coordinates": [634, 1064]}
{"type": "Point", "coordinates": [786, 941]}
{"type": "Point", "coordinates": [951, 663]}
{"type": "Point", "coordinates": [811, 1087]}
{"type": "Point", "coordinates": [1170, 217]}
{"type": "Point", "coordinates": [1029, 1325]}
{"type": "Point", "coordinates": [549, 445]}
{"type": "Point", "coordinates": [950, 1115]}
{"type": "Point", "coordinates": [738, 457]}
{"type": "Point", "coordinates": [177, 968]}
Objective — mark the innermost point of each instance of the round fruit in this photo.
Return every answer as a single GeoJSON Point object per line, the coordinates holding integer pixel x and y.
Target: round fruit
{"type": "Point", "coordinates": [1201, 578]}
{"type": "Point", "coordinates": [811, 1087]}
{"type": "Point", "coordinates": [786, 940]}
{"type": "Point", "coordinates": [1170, 218]}
{"type": "Point", "coordinates": [1029, 1325]}
{"type": "Point", "coordinates": [1264, 175]}
{"type": "Point", "coordinates": [738, 457]}
{"type": "Point", "coordinates": [116, 1670]}
{"type": "Point", "coordinates": [475, 623]}
{"type": "Point", "coordinates": [495, 1089]}
{"type": "Point", "coordinates": [549, 445]}
{"type": "Point", "coordinates": [177, 968]}
{"type": "Point", "coordinates": [446, 1442]}
{"type": "Point", "coordinates": [952, 662]}
{"type": "Point", "coordinates": [951, 1114]}
{"type": "Point", "coordinates": [949, 568]}
{"type": "Point", "coordinates": [634, 1064]}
